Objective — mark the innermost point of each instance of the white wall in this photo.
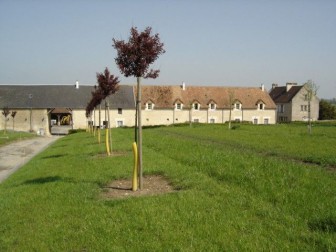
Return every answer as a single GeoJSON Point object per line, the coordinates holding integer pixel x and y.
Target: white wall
{"type": "Point", "coordinates": [26, 120]}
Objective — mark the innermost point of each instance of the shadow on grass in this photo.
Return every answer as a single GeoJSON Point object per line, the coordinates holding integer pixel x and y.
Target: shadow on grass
{"type": "Point", "coordinates": [60, 146]}
{"type": "Point", "coordinates": [52, 179]}
{"type": "Point", "coordinates": [325, 225]}
{"type": "Point", "coordinates": [43, 180]}
{"type": "Point", "coordinates": [54, 156]}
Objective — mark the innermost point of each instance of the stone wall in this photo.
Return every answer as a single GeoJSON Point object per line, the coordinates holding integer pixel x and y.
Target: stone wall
{"type": "Point", "coordinates": [300, 107]}
{"type": "Point", "coordinates": [40, 120]}
{"type": "Point", "coordinates": [36, 120]}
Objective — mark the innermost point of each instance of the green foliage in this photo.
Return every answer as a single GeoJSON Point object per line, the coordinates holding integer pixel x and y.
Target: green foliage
{"type": "Point", "coordinates": [243, 190]}
{"type": "Point", "coordinates": [327, 111]}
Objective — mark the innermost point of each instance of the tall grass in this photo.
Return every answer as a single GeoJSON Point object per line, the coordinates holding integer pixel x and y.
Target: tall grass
{"type": "Point", "coordinates": [230, 195]}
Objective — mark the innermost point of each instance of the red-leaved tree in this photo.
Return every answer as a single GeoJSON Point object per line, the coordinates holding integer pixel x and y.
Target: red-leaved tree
{"type": "Point", "coordinates": [108, 84]}
{"type": "Point", "coordinates": [133, 59]}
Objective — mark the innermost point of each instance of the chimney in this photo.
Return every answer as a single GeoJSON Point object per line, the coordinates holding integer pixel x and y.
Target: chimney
{"type": "Point", "coordinates": [183, 86]}
{"type": "Point", "coordinates": [262, 87]}
{"type": "Point", "coordinates": [274, 85]}
{"type": "Point", "coordinates": [289, 85]}
{"type": "Point", "coordinates": [77, 84]}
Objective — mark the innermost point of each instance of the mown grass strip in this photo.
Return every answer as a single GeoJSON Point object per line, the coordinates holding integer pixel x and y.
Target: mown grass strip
{"type": "Point", "coordinates": [228, 199]}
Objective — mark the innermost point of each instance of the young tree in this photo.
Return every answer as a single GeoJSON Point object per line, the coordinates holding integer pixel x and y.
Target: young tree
{"type": "Point", "coordinates": [311, 91]}
{"type": "Point", "coordinates": [133, 59]}
{"type": "Point", "coordinates": [190, 113]}
{"type": "Point", "coordinates": [107, 84]}
{"type": "Point", "coordinates": [13, 114]}
{"type": "Point", "coordinates": [231, 100]}
{"type": "Point", "coordinates": [95, 100]}
{"type": "Point", "coordinates": [5, 112]}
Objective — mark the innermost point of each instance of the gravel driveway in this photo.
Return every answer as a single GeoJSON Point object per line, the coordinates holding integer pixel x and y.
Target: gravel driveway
{"type": "Point", "coordinates": [16, 154]}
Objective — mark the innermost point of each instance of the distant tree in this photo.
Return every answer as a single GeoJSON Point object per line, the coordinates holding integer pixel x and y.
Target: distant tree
{"type": "Point", "coordinates": [107, 84]}
{"type": "Point", "coordinates": [99, 119]}
{"type": "Point", "coordinates": [231, 100]}
{"type": "Point", "coordinates": [5, 112]}
{"type": "Point", "coordinates": [190, 113]}
{"type": "Point", "coordinates": [327, 110]}
{"type": "Point", "coordinates": [311, 91]}
{"type": "Point", "coordinates": [95, 100]}
{"type": "Point", "coordinates": [133, 59]}
{"type": "Point", "coordinates": [13, 114]}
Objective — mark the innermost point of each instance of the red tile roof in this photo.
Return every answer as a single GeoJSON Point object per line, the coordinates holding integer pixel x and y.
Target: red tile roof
{"type": "Point", "coordinates": [166, 96]}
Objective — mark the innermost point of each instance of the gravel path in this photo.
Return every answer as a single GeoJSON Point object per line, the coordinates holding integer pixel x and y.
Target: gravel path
{"type": "Point", "coordinates": [16, 154]}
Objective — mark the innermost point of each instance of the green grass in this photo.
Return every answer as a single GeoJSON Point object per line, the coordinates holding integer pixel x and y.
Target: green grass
{"type": "Point", "coordinates": [11, 136]}
{"type": "Point", "coordinates": [244, 189]}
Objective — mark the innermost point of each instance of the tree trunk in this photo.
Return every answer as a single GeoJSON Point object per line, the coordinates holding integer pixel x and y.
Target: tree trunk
{"type": "Point", "coordinates": [94, 122]}
{"type": "Point", "coordinates": [139, 142]}
{"type": "Point", "coordinates": [109, 126]}
{"type": "Point", "coordinates": [230, 118]}
{"type": "Point", "coordinates": [190, 116]}
{"type": "Point", "coordinates": [5, 126]}
{"type": "Point", "coordinates": [136, 121]}
{"type": "Point", "coordinates": [309, 117]}
{"type": "Point", "coordinates": [99, 118]}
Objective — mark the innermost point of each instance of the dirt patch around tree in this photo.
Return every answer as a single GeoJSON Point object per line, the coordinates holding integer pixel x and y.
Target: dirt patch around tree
{"type": "Point", "coordinates": [152, 185]}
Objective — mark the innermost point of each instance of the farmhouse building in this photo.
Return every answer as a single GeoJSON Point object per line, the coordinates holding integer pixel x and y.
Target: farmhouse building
{"type": "Point", "coordinates": [292, 103]}
{"type": "Point", "coordinates": [41, 108]}
{"type": "Point", "coordinates": [178, 104]}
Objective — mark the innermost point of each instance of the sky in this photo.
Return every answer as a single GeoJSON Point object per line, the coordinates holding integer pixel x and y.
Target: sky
{"type": "Point", "coordinates": [208, 43]}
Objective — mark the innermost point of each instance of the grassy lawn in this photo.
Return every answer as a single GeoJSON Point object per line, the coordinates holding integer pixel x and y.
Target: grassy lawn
{"type": "Point", "coordinates": [12, 136]}
{"type": "Point", "coordinates": [253, 188]}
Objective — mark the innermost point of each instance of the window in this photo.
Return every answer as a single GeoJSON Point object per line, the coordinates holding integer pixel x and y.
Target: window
{"type": "Point", "coordinates": [266, 120]}
{"type": "Point", "coordinates": [196, 106]}
{"type": "Point", "coordinates": [283, 118]}
{"type": "Point", "coordinates": [178, 106]}
{"type": "Point", "coordinates": [120, 123]}
{"type": "Point", "coordinates": [304, 107]}
{"type": "Point", "coordinates": [261, 106]}
{"type": "Point", "coordinates": [237, 106]}
{"type": "Point", "coordinates": [212, 120]}
{"type": "Point", "coordinates": [149, 106]}
{"type": "Point", "coordinates": [196, 120]}
{"type": "Point", "coordinates": [281, 108]}
{"type": "Point", "coordinates": [212, 106]}
{"type": "Point", "coordinates": [120, 111]}
{"type": "Point", "coordinates": [255, 121]}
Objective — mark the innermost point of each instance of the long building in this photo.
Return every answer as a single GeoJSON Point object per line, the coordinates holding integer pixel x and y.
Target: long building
{"type": "Point", "coordinates": [41, 107]}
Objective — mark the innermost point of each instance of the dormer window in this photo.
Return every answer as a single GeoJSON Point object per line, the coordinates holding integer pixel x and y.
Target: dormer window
{"type": "Point", "coordinates": [260, 105]}
{"type": "Point", "coordinates": [178, 106]}
{"type": "Point", "coordinates": [196, 106]}
{"type": "Point", "coordinates": [237, 106]}
{"type": "Point", "coordinates": [149, 105]}
{"type": "Point", "coordinates": [212, 105]}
